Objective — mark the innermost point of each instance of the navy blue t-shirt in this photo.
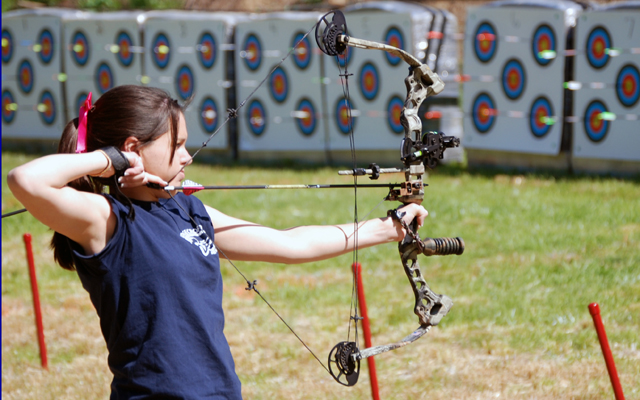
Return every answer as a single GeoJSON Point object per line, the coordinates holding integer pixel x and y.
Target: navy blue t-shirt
{"type": "Point", "coordinates": [157, 289]}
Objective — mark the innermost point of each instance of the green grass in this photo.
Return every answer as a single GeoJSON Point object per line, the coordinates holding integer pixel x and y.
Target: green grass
{"type": "Point", "coordinates": [539, 249]}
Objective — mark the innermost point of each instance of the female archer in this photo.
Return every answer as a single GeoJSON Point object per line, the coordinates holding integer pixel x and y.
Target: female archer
{"type": "Point", "coordinates": [149, 258]}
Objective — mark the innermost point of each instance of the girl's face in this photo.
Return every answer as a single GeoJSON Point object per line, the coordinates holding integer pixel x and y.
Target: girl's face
{"type": "Point", "coordinates": [157, 154]}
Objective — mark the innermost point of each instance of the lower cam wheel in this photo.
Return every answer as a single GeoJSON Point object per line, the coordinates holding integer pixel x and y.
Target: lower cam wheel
{"type": "Point", "coordinates": [344, 368]}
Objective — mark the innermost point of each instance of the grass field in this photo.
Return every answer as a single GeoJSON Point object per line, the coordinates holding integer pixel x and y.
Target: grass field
{"type": "Point", "coordinates": [539, 249]}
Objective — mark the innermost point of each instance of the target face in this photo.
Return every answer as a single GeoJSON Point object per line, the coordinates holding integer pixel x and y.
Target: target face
{"type": "Point", "coordinates": [345, 121]}
{"type": "Point", "coordinates": [80, 48]}
{"type": "Point", "coordinates": [595, 126]}
{"type": "Point", "coordinates": [306, 124]}
{"type": "Point", "coordinates": [369, 81]}
{"type": "Point", "coordinates": [628, 85]}
{"type": "Point", "coordinates": [209, 115]}
{"type": "Point", "coordinates": [484, 112]}
{"type": "Point", "coordinates": [207, 50]}
{"type": "Point", "coordinates": [8, 107]}
{"type": "Point", "coordinates": [485, 42]}
{"type": "Point", "coordinates": [279, 85]}
{"type": "Point", "coordinates": [539, 117]}
{"type": "Point", "coordinates": [513, 79]}
{"type": "Point", "coordinates": [47, 107]}
{"type": "Point", "coordinates": [25, 76]}
{"type": "Point", "coordinates": [252, 52]}
{"type": "Point", "coordinates": [544, 39]}
{"type": "Point", "coordinates": [302, 52]}
{"type": "Point", "coordinates": [394, 111]}
{"type": "Point", "coordinates": [256, 117]}
{"type": "Point", "coordinates": [104, 78]}
{"type": "Point", "coordinates": [45, 39]}
{"type": "Point", "coordinates": [161, 54]}
{"type": "Point", "coordinates": [7, 46]}
{"type": "Point", "coordinates": [395, 38]}
{"type": "Point", "coordinates": [344, 58]}
{"type": "Point", "coordinates": [185, 82]}
{"type": "Point", "coordinates": [598, 44]}
{"type": "Point", "coordinates": [124, 42]}
{"type": "Point", "coordinates": [82, 97]}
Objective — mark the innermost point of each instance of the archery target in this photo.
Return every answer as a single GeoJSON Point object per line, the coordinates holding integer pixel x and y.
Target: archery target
{"type": "Point", "coordinates": [485, 42]}
{"type": "Point", "coordinates": [161, 54]}
{"type": "Point", "coordinates": [185, 82]}
{"type": "Point", "coordinates": [256, 117]}
{"type": "Point", "coordinates": [47, 107]}
{"type": "Point", "coordinates": [345, 121]}
{"type": "Point", "coordinates": [513, 79]}
{"type": "Point", "coordinates": [209, 115]}
{"type": "Point", "coordinates": [628, 85]}
{"type": "Point", "coordinates": [598, 44]}
{"type": "Point", "coordinates": [47, 46]}
{"type": "Point", "coordinates": [484, 112]}
{"type": "Point", "coordinates": [544, 40]}
{"type": "Point", "coordinates": [25, 76]}
{"type": "Point", "coordinates": [8, 106]}
{"type": "Point", "coordinates": [369, 81]}
{"type": "Point", "coordinates": [395, 38]}
{"type": "Point", "coordinates": [104, 78]}
{"type": "Point", "coordinates": [595, 126]}
{"type": "Point", "coordinates": [124, 43]}
{"type": "Point", "coordinates": [80, 99]}
{"type": "Point", "coordinates": [279, 85]}
{"type": "Point", "coordinates": [7, 46]}
{"type": "Point", "coordinates": [303, 51]}
{"type": "Point", "coordinates": [307, 123]}
{"type": "Point", "coordinates": [394, 112]}
{"type": "Point", "coordinates": [80, 48]}
{"type": "Point", "coordinates": [207, 50]}
{"type": "Point", "coordinates": [252, 52]}
{"type": "Point", "coordinates": [540, 117]}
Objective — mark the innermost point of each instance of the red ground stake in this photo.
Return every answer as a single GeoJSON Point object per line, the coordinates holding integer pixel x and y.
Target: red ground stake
{"type": "Point", "coordinates": [373, 377]}
{"type": "Point", "coordinates": [36, 301]}
{"type": "Point", "coordinates": [594, 309]}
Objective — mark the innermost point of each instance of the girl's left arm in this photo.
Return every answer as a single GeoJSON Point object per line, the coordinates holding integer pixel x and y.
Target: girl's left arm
{"type": "Point", "coordinates": [246, 241]}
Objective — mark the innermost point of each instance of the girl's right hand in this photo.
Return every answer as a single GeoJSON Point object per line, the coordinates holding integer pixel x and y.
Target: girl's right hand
{"type": "Point", "coordinates": [136, 175]}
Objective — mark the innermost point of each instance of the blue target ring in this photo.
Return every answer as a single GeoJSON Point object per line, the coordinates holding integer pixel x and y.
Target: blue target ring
{"type": "Point", "coordinates": [161, 54]}
{"type": "Point", "coordinates": [207, 50]}
{"type": "Point", "coordinates": [279, 85]}
{"type": "Point", "coordinates": [598, 44]}
{"type": "Point", "coordinates": [47, 46]}
{"type": "Point", "coordinates": [628, 85]}
{"type": "Point", "coordinates": [483, 112]}
{"type": "Point", "coordinates": [539, 115]}
{"type": "Point", "coordinates": [209, 115]}
{"type": "Point", "coordinates": [104, 78]}
{"type": "Point", "coordinates": [25, 76]}
{"type": "Point", "coordinates": [256, 117]}
{"type": "Point", "coordinates": [595, 126]}
{"type": "Point", "coordinates": [514, 79]}
{"type": "Point", "coordinates": [345, 58]}
{"type": "Point", "coordinates": [47, 108]}
{"type": "Point", "coordinates": [7, 46]}
{"type": "Point", "coordinates": [394, 112]}
{"type": "Point", "coordinates": [8, 105]}
{"type": "Point", "coordinates": [124, 42]}
{"type": "Point", "coordinates": [369, 81]}
{"type": "Point", "coordinates": [306, 124]}
{"type": "Point", "coordinates": [342, 114]}
{"type": "Point", "coordinates": [485, 42]}
{"type": "Point", "coordinates": [395, 38]}
{"type": "Point", "coordinates": [79, 103]}
{"type": "Point", "coordinates": [302, 52]}
{"type": "Point", "coordinates": [544, 39]}
{"type": "Point", "coordinates": [252, 52]}
{"type": "Point", "coordinates": [80, 48]}
{"type": "Point", "coordinates": [185, 82]}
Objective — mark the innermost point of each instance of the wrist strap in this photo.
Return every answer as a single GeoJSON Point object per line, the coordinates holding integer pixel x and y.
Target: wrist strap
{"type": "Point", "coordinates": [118, 160]}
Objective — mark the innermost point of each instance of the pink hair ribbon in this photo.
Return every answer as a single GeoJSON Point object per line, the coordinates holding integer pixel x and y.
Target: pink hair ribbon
{"type": "Point", "coordinates": [81, 145]}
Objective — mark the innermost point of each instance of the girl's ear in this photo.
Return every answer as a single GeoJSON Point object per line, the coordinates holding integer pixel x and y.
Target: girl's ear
{"type": "Point", "coordinates": [131, 144]}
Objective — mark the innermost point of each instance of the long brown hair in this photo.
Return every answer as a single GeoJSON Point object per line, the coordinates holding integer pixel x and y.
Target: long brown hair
{"type": "Point", "coordinates": [124, 111]}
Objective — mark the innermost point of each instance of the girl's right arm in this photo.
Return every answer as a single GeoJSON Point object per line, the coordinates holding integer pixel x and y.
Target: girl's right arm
{"type": "Point", "coordinates": [83, 217]}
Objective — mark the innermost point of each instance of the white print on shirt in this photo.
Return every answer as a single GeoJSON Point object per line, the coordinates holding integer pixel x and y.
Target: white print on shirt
{"type": "Point", "coordinates": [200, 239]}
